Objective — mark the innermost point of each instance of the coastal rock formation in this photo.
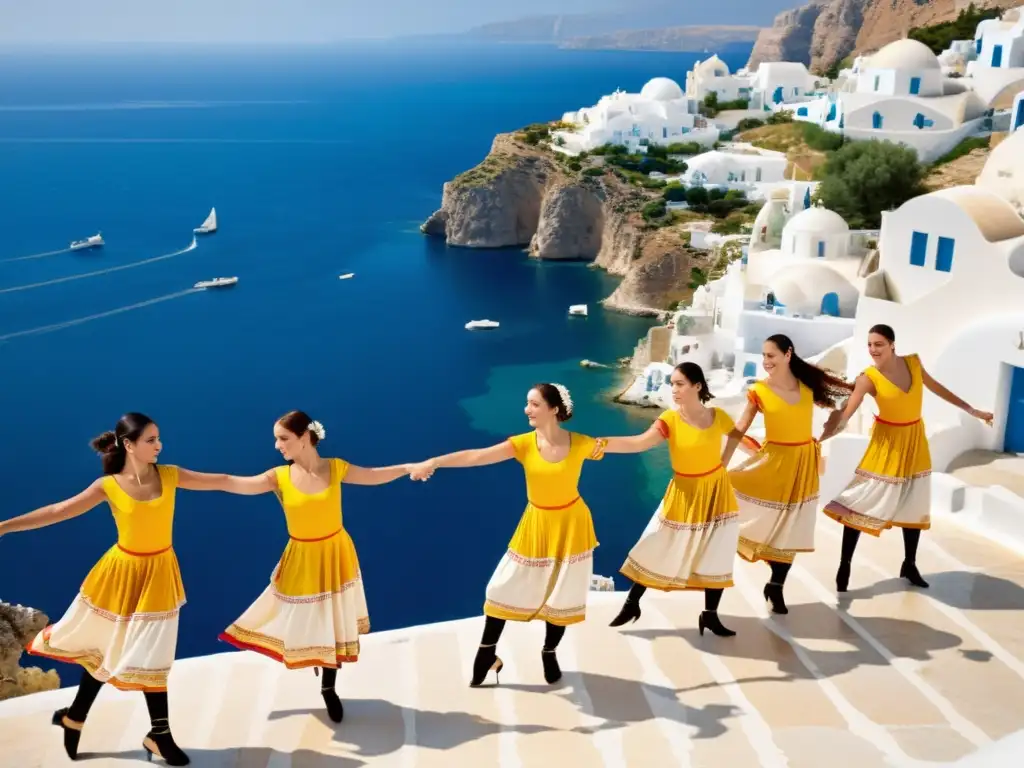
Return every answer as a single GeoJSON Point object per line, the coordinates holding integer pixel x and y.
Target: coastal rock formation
{"type": "Point", "coordinates": [823, 32]}
{"type": "Point", "coordinates": [527, 195]}
{"type": "Point", "coordinates": [18, 625]}
{"type": "Point", "coordinates": [570, 225]}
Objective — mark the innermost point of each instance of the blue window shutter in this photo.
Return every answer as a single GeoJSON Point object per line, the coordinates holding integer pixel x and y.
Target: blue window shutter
{"type": "Point", "coordinates": [918, 248]}
{"type": "Point", "coordinates": [749, 369]}
{"type": "Point", "coordinates": [977, 45]}
{"type": "Point", "coordinates": [944, 254]}
{"type": "Point", "coordinates": [1018, 119]}
{"type": "Point", "coordinates": [821, 249]}
{"type": "Point", "coordinates": [915, 85]}
{"type": "Point", "coordinates": [997, 55]}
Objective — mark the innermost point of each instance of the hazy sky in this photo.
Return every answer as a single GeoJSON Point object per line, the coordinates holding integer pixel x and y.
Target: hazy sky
{"type": "Point", "coordinates": [67, 21]}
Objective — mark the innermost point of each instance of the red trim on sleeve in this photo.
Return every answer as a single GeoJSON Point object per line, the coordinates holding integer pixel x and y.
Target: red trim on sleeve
{"type": "Point", "coordinates": [662, 427]}
{"type": "Point", "coordinates": [752, 397]}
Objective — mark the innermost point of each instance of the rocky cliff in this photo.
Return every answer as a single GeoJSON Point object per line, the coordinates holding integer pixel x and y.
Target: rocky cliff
{"type": "Point", "coordinates": [18, 625]}
{"type": "Point", "coordinates": [824, 32]}
{"type": "Point", "coordinates": [527, 195]}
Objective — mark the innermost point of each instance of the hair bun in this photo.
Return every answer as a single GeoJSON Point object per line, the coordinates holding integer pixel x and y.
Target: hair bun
{"type": "Point", "coordinates": [105, 443]}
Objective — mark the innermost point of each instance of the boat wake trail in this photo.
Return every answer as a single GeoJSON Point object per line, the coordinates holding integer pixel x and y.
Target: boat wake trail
{"type": "Point", "coordinates": [98, 272]}
{"type": "Point", "coordinates": [110, 312]}
{"type": "Point", "coordinates": [36, 256]}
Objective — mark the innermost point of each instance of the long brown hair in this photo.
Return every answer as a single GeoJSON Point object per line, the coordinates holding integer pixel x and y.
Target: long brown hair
{"type": "Point", "coordinates": [826, 387]}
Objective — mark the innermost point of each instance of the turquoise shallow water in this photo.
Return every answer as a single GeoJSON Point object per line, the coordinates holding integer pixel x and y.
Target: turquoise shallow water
{"type": "Point", "coordinates": [319, 162]}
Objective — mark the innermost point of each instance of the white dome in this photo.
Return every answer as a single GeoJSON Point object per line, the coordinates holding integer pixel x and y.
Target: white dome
{"type": "Point", "coordinates": [906, 54]}
{"type": "Point", "coordinates": [802, 287]}
{"type": "Point", "coordinates": [662, 89]}
{"type": "Point", "coordinates": [711, 64]}
{"type": "Point", "coordinates": [818, 221]}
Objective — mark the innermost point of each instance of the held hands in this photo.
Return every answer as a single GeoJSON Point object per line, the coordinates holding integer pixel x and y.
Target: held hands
{"type": "Point", "coordinates": [422, 471]}
{"type": "Point", "coordinates": [982, 415]}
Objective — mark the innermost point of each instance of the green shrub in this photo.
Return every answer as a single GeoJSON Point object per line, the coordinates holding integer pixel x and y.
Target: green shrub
{"type": "Point", "coordinates": [939, 36]}
{"type": "Point", "coordinates": [736, 194]}
{"type": "Point", "coordinates": [697, 196]}
{"type": "Point", "coordinates": [818, 138]}
{"type": "Point", "coordinates": [698, 277]}
{"type": "Point", "coordinates": [674, 193]}
{"type": "Point", "coordinates": [749, 123]}
{"type": "Point", "coordinates": [593, 171]}
{"type": "Point", "coordinates": [575, 165]}
{"type": "Point", "coordinates": [780, 118]}
{"type": "Point", "coordinates": [654, 210]}
{"type": "Point", "coordinates": [684, 148]}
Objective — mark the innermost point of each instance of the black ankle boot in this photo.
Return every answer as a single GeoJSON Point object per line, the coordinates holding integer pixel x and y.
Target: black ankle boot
{"type": "Point", "coordinates": [773, 594]}
{"type": "Point", "coordinates": [335, 709]}
{"type": "Point", "coordinates": [710, 620]}
{"type": "Point", "coordinates": [909, 572]}
{"type": "Point", "coordinates": [159, 742]}
{"type": "Point", "coordinates": [843, 576]}
{"type": "Point", "coordinates": [552, 672]}
{"type": "Point", "coordinates": [486, 660]}
{"type": "Point", "coordinates": [630, 612]}
{"type": "Point", "coordinates": [72, 731]}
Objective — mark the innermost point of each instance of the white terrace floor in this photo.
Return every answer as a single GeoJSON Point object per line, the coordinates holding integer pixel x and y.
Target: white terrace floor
{"type": "Point", "coordinates": [890, 677]}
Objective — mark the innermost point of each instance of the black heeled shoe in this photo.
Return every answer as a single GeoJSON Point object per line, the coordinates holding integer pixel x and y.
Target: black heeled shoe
{"type": "Point", "coordinates": [843, 576]}
{"type": "Point", "coordinates": [630, 612]}
{"type": "Point", "coordinates": [72, 731]}
{"type": "Point", "coordinates": [159, 742]}
{"type": "Point", "coordinates": [486, 660]}
{"type": "Point", "coordinates": [773, 595]}
{"type": "Point", "coordinates": [710, 620]}
{"type": "Point", "coordinates": [552, 672]}
{"type": "Point", "coordinates": [909, 572]}
{"type": "Point", "coordinates": [335, 709]}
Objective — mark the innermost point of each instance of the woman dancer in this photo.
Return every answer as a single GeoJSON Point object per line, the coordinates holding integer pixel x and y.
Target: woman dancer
{"type": "Point", "coordinates": [691, 541]}
{"type": "Point", "coordinates": [545, 574]}
{"type": "Point", "coordinates": [122, 627]}
{"type": "Point", "coordinates": [314, 610]}
{"type": "Point", "coordinates": [777, 488]}
{"type": "Point", "coordinates": [891, 487]}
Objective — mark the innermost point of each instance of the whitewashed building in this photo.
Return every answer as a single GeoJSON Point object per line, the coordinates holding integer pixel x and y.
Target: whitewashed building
{"type": "Point", "coordinates": [735, 169]}
{"type": "Point", "coordinates": [713, 76]}
{"type": "Point", "coordinates": [660, 114]}
{"type": "Point", "coordinates": [999, 43]}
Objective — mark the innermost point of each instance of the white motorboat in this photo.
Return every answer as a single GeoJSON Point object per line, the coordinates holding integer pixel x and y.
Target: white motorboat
{"type": "Point", "coordinates": [96, 241]}
{"type": "Point", "coordinates": [347, 276]}
{"type": "Point", "coordinates": [580, 310]}
{"type": "Point", "coordinates": [209, 226]}
{"type": "Point", "coordinates": [481, 324]}
{"type": "Point", "coordinates": [217, 282]}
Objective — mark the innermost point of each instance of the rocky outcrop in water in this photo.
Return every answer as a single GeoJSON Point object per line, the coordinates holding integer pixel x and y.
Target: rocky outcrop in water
{"type": "Point", "coordinates": [18, 626]}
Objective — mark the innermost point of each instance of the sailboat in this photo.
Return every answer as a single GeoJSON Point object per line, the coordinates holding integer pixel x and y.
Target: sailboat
{"type": "Point", "coordinates": [209, 226]}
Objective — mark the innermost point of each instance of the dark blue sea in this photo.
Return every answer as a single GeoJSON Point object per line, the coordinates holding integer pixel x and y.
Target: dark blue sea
{"type": "Point", "coordinates": [319, 162]}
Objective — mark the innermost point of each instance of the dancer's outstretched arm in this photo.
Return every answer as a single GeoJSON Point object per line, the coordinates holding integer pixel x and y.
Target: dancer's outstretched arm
{"type": "Point", "coordinates": [376, 475]}
{"type": "Point", "coordinates": [838, 420]}
{"type": "Point", "coordinates": [243, 486]}
{"type": "Point", "coordinates": [736, 436]}
{"type": "Point", "coordinates": [952, 399]}
{"type": "Point", "coordinates": [632, 443]}
{"type": "Point", "coordinates": [474, 457]}
{"type": "Point", "coordinates": [57, 513]}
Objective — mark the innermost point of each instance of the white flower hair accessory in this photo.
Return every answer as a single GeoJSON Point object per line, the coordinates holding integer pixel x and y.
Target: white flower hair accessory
{"type": "Point", "coordinates": [563, 392]}
{"type": "Point", "coordinates": [317, 429]}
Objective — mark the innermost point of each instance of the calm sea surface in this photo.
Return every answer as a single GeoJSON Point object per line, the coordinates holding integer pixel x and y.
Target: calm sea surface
{"type": "Point", "coordinates": [319, 162]}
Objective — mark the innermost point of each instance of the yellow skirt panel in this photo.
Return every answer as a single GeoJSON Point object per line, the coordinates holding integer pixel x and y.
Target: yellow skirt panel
{"type": "Point", "coordinates": [895, 451]}
{"type": "Point", "coordinates": [123, 584]}
{"type": "Point", "coordinates": [692, 500]}
{"type": "Point", "coordinates": [554, 533]}
{"type": "Point", "coordinates": [309, 568]}
{"type": "Point", "coordinates": [778, 476]}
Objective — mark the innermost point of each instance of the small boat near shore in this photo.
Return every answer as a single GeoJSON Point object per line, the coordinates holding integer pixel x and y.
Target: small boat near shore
{"type": "Point", "coordinates": [217, 282]}
{"type": "Point", "coordinates": [96, 241]}
{"type": "Point", "coordinates": [347, 276]}
{"type": "Point", "coordinates": [209, 226]}
{"type": "Point", "coordinates": [579, 310]}
{"type": "Point", "coordinates": [482, 325]}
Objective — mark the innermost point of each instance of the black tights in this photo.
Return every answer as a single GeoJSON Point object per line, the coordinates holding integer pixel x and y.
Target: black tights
{"type": "Point", "coordinates": [779, 572]}
{"type": "Point", "coordinates": [89, 688]}
{"type": "Point", "coordinates": [493, 628]}
{"type": "Point", "coordinates": [911, 538]}
{"type": "Point", "coordinates": [330, 676]}
{"type": "Point", "coordinates": [712, 597]}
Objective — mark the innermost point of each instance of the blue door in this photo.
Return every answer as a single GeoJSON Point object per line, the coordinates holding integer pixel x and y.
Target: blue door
{"type": "Point", "coordinates": [876, 121]}
{"type": "Point", "coordinates": [997, 55]}
{"type": "Point", "coordinates": [830, 304]}
{"type": "Point", "coordinates": [821, 249]}
{"type": "Point", "coordinates": [831, 112]}
{"type": "Point", "coordinates": [915, 85]}
{"type": "Point", "coordinates": [1018, 119]}
{"type": "Point", "coordinates": [807, 198]}
{"type": "Point", "coordinates": [777, 96]}
{"type": "Point", "coordinates": [750, 369]}
{"type": "Point", "coordinates": [1013, 439]}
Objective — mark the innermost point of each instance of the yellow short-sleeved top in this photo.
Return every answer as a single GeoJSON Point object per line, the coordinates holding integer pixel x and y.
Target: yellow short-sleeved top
{"type": "Point", "coordinates": [553, 485]}
{"type": "Point", "coordinates": [894, 405]}
{"type": "Point", "coordinates": [695, 451]}
{"type": "Point", "coordinates": [784, 423]}
{"type": "Point", "coordinates": [144, 527]}
{"type": "Point", "coordinates": [312, 516]}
